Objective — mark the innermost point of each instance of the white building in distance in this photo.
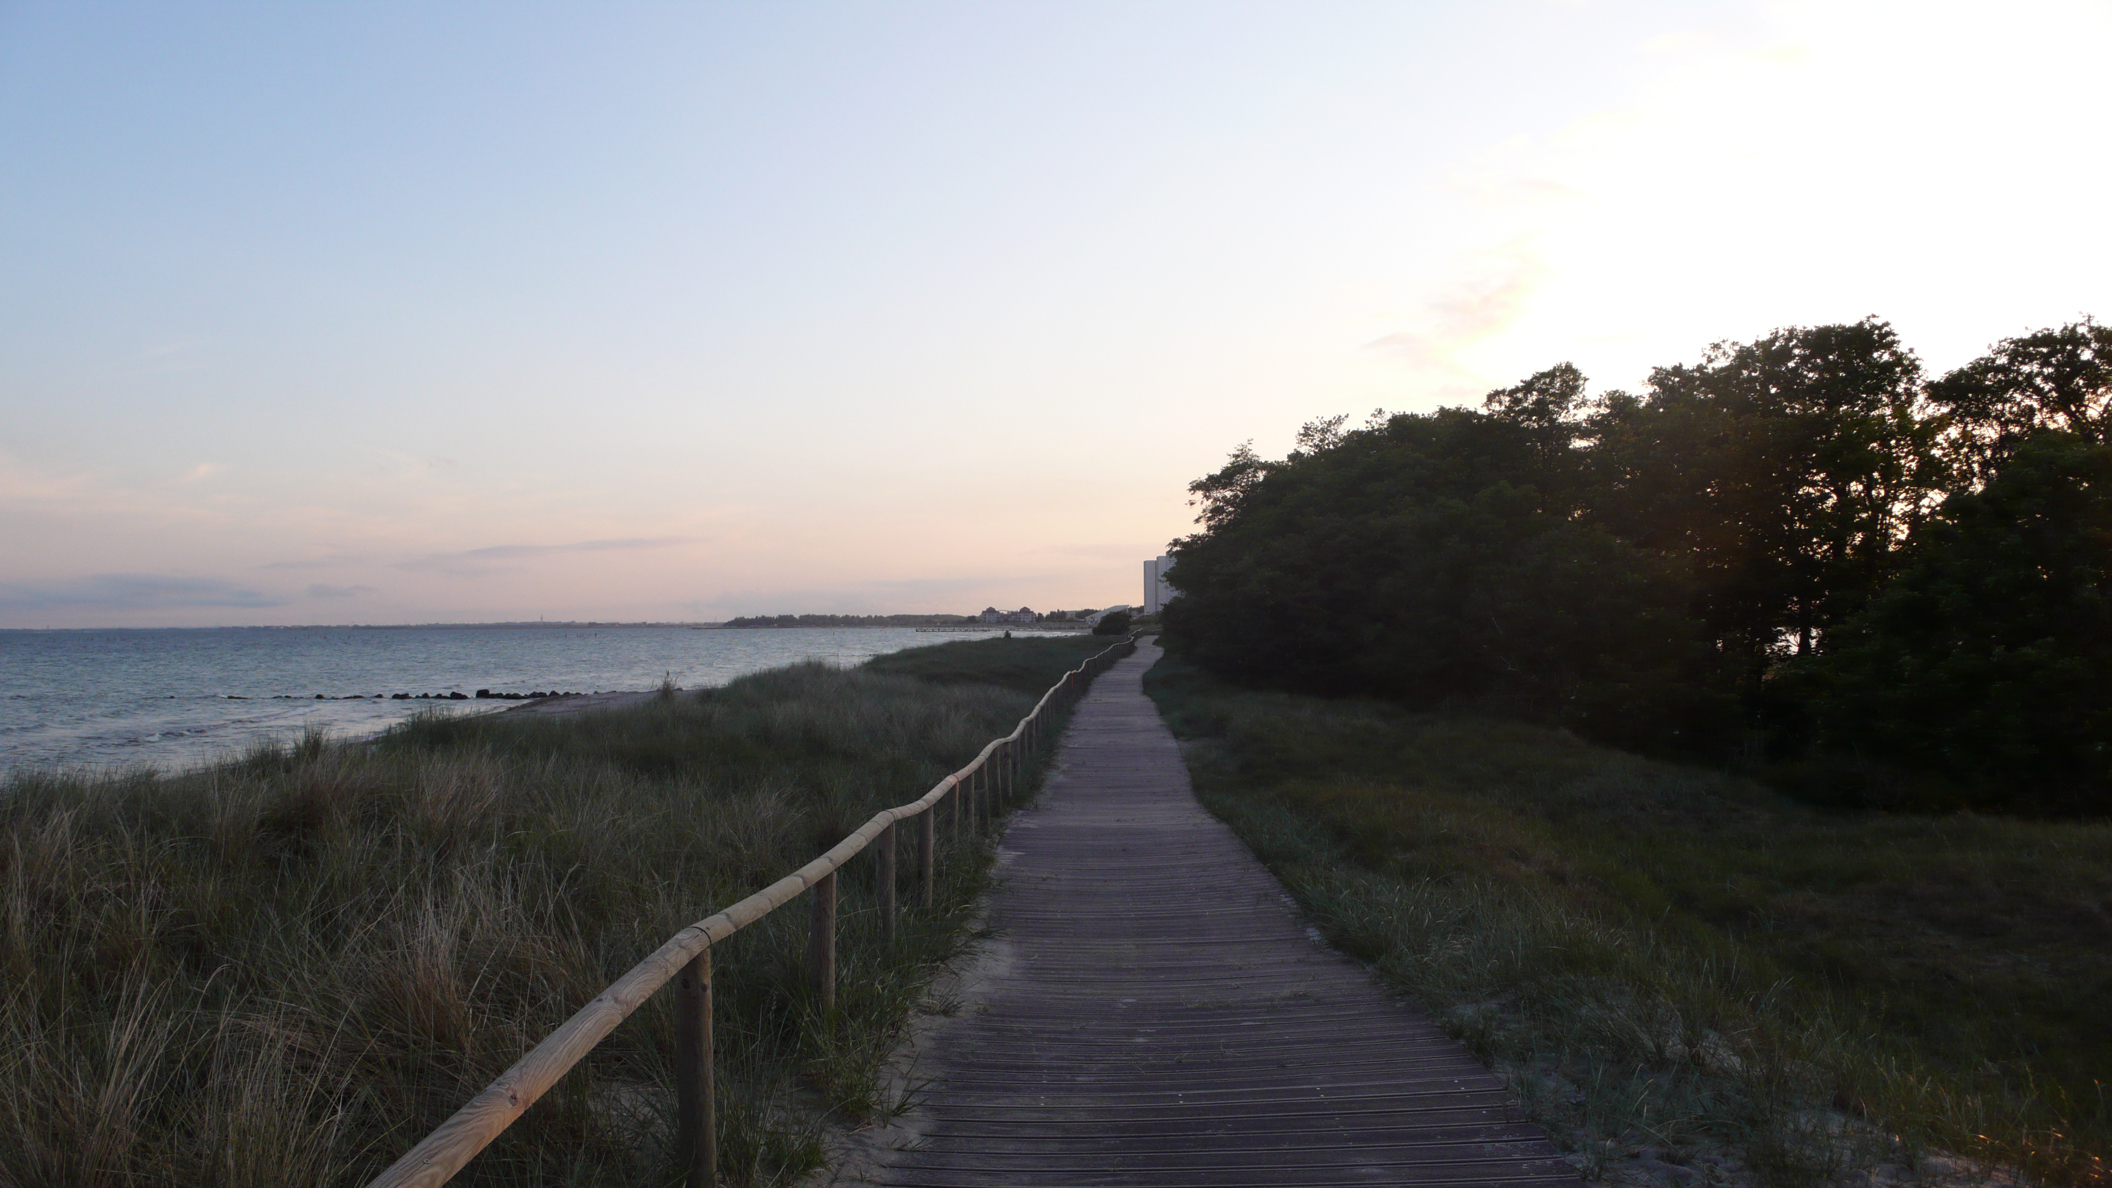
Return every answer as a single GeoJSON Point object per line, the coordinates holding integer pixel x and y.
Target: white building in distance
{"type": "Point", "coordinates": [1156, 592]}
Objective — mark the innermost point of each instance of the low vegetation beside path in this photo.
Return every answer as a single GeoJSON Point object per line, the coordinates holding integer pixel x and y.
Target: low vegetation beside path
{"type": "Point", "coordinates": [287, 969]}
{"type": "Point", "coordinates": [1685, 976]}
{"type": "Point", "coordinates": [1025, 663]}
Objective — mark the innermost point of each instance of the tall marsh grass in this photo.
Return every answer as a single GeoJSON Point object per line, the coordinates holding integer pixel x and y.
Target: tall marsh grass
{"type": "Point", "coordinates": [286, 969]}
{"type": "Point", "coordinates": [1669, 963]}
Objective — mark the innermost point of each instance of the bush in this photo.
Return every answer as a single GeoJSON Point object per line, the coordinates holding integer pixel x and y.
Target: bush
{"type": "Point", "coordinates": [1113, 623]}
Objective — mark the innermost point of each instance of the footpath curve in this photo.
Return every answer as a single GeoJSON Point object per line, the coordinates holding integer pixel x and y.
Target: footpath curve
{"type": "Point", "coordinates": [1156, 1013]}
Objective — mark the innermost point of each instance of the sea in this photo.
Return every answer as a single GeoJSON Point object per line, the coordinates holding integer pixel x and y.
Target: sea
{"type": "Point", "coordinates": [178, 698]}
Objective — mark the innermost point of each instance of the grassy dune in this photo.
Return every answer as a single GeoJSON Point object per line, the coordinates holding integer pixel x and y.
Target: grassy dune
{"type": "Point", "coordinates": [1669, 962]}
{"type": "Point", "coordinates": [1026, 663]}
{"type": "Point", "coordinates": [286, 969]}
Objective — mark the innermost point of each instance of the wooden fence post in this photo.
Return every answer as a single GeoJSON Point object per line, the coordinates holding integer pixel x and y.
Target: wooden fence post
{"type": "Point", "coordinates": [821, 945]}
{"type": "Point", "coordinates": [696, 1133]}
{"type": "Point", "coordinates": [928, 855]}
{"type": "Point", "coordinates": [885, 860]}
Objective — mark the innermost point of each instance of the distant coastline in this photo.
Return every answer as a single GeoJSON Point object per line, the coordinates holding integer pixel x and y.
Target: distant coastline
{"type": "Point", "coordinates": [930, 620]}
{"type": "Point", "coordinates": [735, 624]}
{"type": "Point", "coordinates": [738, 623]}
{"type": "Point", "coordinates": [175, 697]}
{"type": "Point", "coordinates": [522, 626]}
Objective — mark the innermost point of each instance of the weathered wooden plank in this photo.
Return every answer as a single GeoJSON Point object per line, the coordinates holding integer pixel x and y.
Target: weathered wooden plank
{"type": "Point", "coordinates": [1162, 1017]}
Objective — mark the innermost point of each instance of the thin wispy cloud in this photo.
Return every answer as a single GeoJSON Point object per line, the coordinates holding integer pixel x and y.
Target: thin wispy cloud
{"type": "Point", "coordinates": [131, 591]}
{"type": "Point", "coordinates": [74, 490]}
{"type": "Point", "coordinates": [930, 595]}
{"type": "Point", "coordinates": [498, 558]}
{"type": "Point", "coordinates": [319, 590]}
{"type": "Point", "coordinates": [1124, 551]}
{"type": "Point", "coordinates": [1471, 311]}
{"type": "Point", "coordinates": [23, 483]}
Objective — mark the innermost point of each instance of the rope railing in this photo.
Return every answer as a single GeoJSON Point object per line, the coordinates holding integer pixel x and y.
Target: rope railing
{"type": "Point", "coordinates": [977, 793]}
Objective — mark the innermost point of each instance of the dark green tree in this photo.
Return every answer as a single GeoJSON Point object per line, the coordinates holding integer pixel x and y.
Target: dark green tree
{"type": "Point", "coordinates": [1548, 406]}
{"type": "Point", "coordinates": [1786, 473]}
{"type": "Point", "coordinates": [2059, 379]}
{"type": "Point", "coordinates": [1929, 559]}
{"type": "Point", "coordinates": [1423, 558]}
{"type": "Point", "coordinates": [1986, 665]}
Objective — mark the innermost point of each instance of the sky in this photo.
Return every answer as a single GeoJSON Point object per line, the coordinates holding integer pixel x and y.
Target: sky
{"type": "Point", "coordinates": [395, 313]}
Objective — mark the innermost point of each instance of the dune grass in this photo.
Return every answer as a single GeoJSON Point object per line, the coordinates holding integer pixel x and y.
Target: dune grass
{"type": "Point", "coordinates": [1029, 663]}
{"type": "Point", "coordinates": [1671, 964]}
{"type": "Point", "coordinates": [286, 969]}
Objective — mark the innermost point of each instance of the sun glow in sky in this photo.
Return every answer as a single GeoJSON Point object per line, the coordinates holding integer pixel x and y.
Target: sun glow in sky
{"type": "Point", "coordinates": [405, 313]}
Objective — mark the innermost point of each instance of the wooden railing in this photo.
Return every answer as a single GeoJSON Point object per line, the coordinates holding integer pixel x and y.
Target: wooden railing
{"type": "Point", "coordinates": [979, 792]}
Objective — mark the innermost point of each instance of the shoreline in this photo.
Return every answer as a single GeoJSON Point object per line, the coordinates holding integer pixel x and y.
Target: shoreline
{"type": "Point", "coordinates": [581, 703]}
{"type": "Point", "coordinates": [180, 699]}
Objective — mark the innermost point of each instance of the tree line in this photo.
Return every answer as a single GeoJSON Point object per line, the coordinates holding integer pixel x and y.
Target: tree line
{"type": "Point", "coordinates": [1800, 553]}
{"type": "Point", "coordinates": [848, 620]}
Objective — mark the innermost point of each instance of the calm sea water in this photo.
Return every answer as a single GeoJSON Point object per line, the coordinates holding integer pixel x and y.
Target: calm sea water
{"type": "Point", "coordinates": [178, 698]}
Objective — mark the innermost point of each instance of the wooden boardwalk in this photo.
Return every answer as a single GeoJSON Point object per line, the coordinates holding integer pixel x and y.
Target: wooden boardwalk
{"type": "Point", "coordinates": [1160, 1016]}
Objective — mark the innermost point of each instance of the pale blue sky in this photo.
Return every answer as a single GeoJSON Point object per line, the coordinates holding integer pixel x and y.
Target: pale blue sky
{"type": "Point", "coordinates": [372, 313]}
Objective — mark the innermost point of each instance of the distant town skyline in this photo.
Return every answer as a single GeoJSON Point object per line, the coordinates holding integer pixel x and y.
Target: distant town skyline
{"type": "Point", "coordinates": [342, 313]}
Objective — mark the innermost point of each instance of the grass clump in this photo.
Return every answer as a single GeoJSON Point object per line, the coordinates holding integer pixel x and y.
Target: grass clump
{"type": "Point", "coordinates": [288, 968]}
{"type": "Point", "coordinates": [1678, 966]}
